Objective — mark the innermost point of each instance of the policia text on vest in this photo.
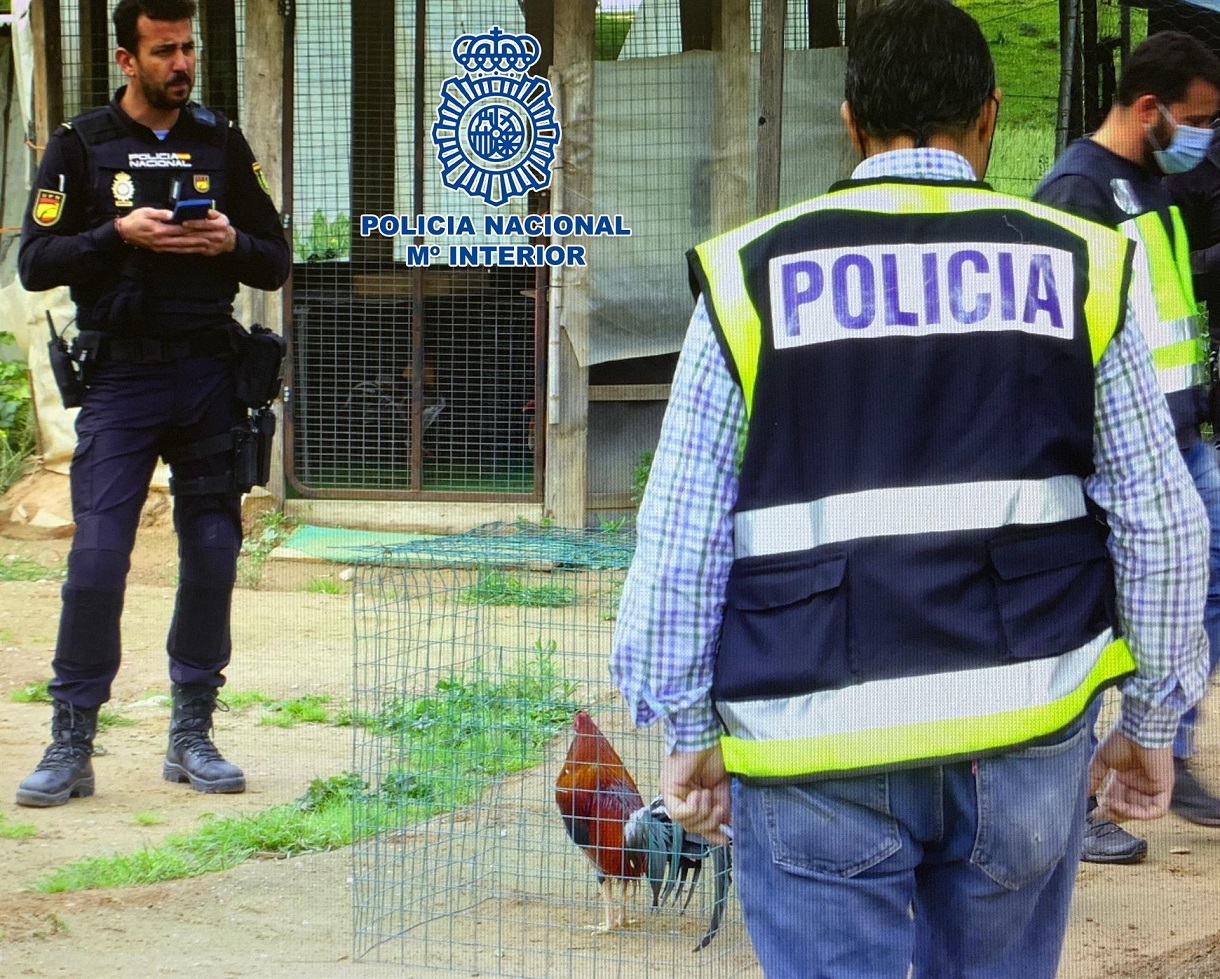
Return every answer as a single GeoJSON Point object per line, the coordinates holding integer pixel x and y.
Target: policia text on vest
{"type": "Point", "coordinates": [895, 290]}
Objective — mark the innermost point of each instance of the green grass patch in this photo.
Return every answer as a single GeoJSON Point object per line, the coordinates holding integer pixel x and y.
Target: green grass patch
{"type": "Point", "coordinates": [497, 588]}
{"type": "Point", "coordinates": [1024, 40]}
{"type": "Point", "coordinates": [241, 699]}
{"type": "Point", "coordinates": [1020, 156]}
{"type": "Point", "coordinates": [451, 746]}
{"type": "Point", "coordinates": [327, 586]}
{"type": "Point", "coordinates": [16, 418]}
{"type": "Point", "coordinates": [15, 568]}
{"type": "Point", "coordinates": [147, 819]}
{"type": "Point", "coordinates": [34, 693]}
{"type": "Point", "coordinates": [477, 727]}
{"type": "Point", "coordinates": [16, 831]}
{"type": "Point", "coordinates": [609, 34]}
{"type": "Point", "coordinates": [307, 709]}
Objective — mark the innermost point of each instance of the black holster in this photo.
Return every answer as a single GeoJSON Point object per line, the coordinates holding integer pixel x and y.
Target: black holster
{"type": "Point", "coordinates": [248, 445]}
{"type": "Point", "coordinates": [260, 361]}
{"type": "Point", "coordinates": [252, 441]}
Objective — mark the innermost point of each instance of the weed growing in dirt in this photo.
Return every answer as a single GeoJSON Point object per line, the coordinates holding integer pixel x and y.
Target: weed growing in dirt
{"type": "Point", "coordinates": [308, 709]}
{"type": "Point", "coordinates": [327, 586]}
{"type": "Point", "coordinates": [496, 588]}
{"type": "Point", "coordinates": [108, 718]}
{"type": "Point", "coordinates": [13, 568]}
{"type": "Point", "coordinates": [147, 819]}
{"type": "Point", "coordinates": [456, 742]}
{"type": "Point", "coordinates": [34, 693]}
{"type": "Point", "coordinates": [241, 699]}
{"type": "Point", "coordinates": [270, 531]}
{"type": "Point", "coordinates": [16, 831]}
{"type": "Point", "coordinates": [481, 726]}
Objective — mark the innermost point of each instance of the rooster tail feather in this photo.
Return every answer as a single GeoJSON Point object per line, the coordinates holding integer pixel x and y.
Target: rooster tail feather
{"type": "Point", "coordinates": [722, 873]}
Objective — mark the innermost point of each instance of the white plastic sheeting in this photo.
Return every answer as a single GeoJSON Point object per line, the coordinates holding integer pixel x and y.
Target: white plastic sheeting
{"type": "Point", "coordinates": [652, 164]}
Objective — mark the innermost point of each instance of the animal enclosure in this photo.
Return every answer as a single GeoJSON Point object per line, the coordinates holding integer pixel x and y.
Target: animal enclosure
{"type": "Point", "coordinates": [473, 653]}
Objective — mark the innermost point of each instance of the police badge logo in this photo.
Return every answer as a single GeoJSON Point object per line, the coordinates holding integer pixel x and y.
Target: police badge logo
{"type": "Point", "coordinates": [124, 189]}
{"type": "Point", "coordinates": [495, 131]}
{"type": "Point", "coordinates": [48, 206]}
{"type": "Point", "coordinates": [1124, 196]}
{"type": "Point", "coordinates": [201, 182]}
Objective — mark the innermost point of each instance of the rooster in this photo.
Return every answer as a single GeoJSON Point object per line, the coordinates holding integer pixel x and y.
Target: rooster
{"type": "Point", "coordinates": [596, 796]}
{"type": "Point", "coordinates": [625, 840]}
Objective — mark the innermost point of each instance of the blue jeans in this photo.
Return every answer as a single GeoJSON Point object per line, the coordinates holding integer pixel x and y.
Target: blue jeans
{"type": "Point", "coordinates": [963, 871]}
{"type": "Point", "coordinates": [1201, 462]}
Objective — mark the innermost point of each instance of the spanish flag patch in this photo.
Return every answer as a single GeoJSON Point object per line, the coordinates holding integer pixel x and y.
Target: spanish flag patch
{"type": "Point", "coordinates": [48, 206]}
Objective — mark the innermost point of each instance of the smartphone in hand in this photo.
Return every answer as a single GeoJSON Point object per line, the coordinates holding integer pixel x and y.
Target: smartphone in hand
{"type": "Point", "coordinates": [192, 210]}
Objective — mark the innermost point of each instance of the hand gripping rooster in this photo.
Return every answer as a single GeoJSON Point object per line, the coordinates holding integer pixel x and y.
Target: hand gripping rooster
{"type": "Point", "coordinates": [625, 839]}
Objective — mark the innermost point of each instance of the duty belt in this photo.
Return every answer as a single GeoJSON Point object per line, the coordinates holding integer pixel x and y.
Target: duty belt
{"type": "Point", "coordinates": [103, 348]}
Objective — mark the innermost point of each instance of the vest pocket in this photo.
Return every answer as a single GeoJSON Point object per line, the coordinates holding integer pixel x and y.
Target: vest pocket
{"type": "Point", "coordinates": [1054, 587]}
{"type": "Point", "coordinates": [785, 629]}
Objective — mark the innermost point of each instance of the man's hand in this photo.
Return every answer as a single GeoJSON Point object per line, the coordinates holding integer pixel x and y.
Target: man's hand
{"type": "Point", "coordinates": [695, 788]}
{"type": "Point", "coordinates": [1142, 779]}
{"type": "Point", "coordinates": [154, 229]}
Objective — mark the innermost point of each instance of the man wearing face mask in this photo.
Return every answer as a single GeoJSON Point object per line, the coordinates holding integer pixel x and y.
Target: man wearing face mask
{"type": "Point", "coordinates": [1167, 98]}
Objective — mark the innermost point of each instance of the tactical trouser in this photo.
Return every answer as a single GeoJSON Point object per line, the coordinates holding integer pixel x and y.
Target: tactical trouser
{"type": "Point", "coordinates": [132, 413]}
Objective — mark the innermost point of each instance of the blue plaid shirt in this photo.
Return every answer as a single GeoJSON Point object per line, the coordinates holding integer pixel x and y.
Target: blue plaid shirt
{"type": "Point", "coordinates": [673, 599]}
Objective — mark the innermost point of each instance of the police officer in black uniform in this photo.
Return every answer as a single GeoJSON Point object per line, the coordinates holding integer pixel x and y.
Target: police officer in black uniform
{"type": "Point", "coordinates": [159, 354]}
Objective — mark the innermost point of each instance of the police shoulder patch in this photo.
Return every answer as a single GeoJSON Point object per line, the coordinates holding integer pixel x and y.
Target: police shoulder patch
{"type": "Point", "coordinates": [262, 178]}
{"type": "Point", "coordinates": [48, 206]}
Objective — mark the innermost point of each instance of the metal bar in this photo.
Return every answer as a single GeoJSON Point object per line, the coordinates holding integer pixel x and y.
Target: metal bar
{"type": "Point", "coordinates": [1068, 14]}
{"type": "Point", "coordinates": [418, 359]}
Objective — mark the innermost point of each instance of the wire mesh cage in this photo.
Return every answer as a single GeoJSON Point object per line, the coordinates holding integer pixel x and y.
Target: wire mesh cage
{"type": "Point", "coordinates": [473, 654]}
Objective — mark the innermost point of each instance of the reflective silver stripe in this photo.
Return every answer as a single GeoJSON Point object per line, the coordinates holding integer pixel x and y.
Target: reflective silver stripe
{"type": "Point", "coordinates": [1164, 333]}
{"type": "Point", "coordinates": [1174, 379]}
{"type": "Point", "coordinates": [907, 510]}
{"type": "Point", "coordinates": [915, 699]}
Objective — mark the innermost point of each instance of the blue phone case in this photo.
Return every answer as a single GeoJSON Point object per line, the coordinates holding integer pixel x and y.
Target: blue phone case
{"type": "Point", "coordinates": [193, 210]}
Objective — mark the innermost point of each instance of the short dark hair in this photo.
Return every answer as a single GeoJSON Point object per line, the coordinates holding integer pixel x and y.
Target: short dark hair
{"type": "Point", "coordinates": [128, 12]}
{"type": "Point", "coordinates": [917, 67]}
{"type": "Point", "coordinates": [1164, 64]}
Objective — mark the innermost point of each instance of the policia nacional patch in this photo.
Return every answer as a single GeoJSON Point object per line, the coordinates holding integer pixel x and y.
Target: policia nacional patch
{"type": "Point", "coordinates": [48, 206]}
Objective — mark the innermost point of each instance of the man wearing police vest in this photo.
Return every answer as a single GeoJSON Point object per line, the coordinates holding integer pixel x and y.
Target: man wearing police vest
{"type": "Point", "coordinates": [1167, 97]}
{"type": "Point", "coordinates": [874, 591]}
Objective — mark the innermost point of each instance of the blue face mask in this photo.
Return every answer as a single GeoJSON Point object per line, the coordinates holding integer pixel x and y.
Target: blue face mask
{"type": "Point", "coordinates": [1185, 151]}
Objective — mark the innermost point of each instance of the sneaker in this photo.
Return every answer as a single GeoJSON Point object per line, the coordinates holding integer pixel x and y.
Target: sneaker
{"type": "Point", "coordinates": [1190, 799]}
{"type": "Point", "coordinates": [1107, 842]}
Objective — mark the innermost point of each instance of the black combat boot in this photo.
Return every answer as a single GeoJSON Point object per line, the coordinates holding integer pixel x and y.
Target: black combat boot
{"type": "Point", "coordinates": [66, 769]}
{"type": "Point", "coordinates": [191, 756]}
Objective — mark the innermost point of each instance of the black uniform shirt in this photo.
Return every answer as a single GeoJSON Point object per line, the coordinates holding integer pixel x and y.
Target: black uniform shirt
{"type": "Point", "coordinates": [68, 235]}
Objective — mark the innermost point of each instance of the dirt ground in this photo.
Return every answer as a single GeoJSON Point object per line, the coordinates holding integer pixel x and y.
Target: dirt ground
{"type": "Point", "coordinates": [291, 918]}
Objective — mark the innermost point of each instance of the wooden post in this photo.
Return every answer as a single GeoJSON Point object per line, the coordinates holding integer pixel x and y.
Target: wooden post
{"type": "Point", "coordinates": [770, 104]}
{"type": "Point", "coordinates": [566, 489]}
{"type": "Point", "coordinates": [48, 62]}
{"type": "Point", "coordinates": [732, 188]}
{"type": "Point", "coordinates": [264, 129]}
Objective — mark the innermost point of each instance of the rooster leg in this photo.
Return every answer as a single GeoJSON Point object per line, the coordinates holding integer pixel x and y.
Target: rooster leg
{"type": "Point", "coordinates": [614, 904]}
